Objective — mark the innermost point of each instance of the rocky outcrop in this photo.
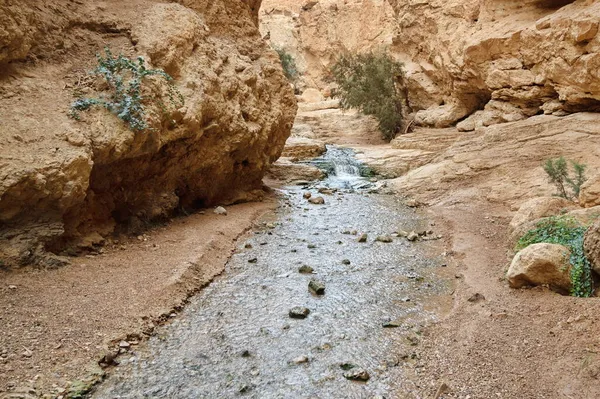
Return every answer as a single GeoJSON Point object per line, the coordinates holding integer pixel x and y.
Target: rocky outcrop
{"type": "Point", "coordinates": [510, 59]}
{"type": "Point", "coordinates": [538, 208]}
{"type": "Point", "coordinates": [477, 62]}
{"type": "Point", "coordinates": [541, 264]}
{"type": "Point", "coordinates": [64, 181]}
{"type": "Point", "coordinates": [589, 195]}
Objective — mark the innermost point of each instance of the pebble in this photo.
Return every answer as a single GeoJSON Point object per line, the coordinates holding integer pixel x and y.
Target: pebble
{"type": "Point", "coordinates": [300, 360]}
{"type": "Point", "coordinates": [477, 297]}
{"type": "Point", "coordinates": [384, 238]}
{"type": "Point", "coordinates": [299, 312]}
{"type": "Point", "coordinates": [412, 236]}
{"type": "Point", "coordinates": [253, 260]}
{"type": "Point", "coordinates": [220, 211]}
{"type": "Point", "coordinates": [124, 344]}
{"type": "Point", "coordinates": [316, 287]}
{"type": "Point", "coordinates": [12, 287]}
{"type": "Point", "coordinates": [346, 261]}
{"type": "Point", "coordinates": [311, 246]}
{"type": "Point", "coordinates": [317, 200]}
{"type": "Point", "coordinates": [248, 246]}
{"type": "Point", "coordinates": [363, 237]}
{"type": "Point", "coordinates": [307, 195]}
{"type": "Point", "coordinates": [357, 375]}
{"type": "Point", "coordinates": [305, 269]}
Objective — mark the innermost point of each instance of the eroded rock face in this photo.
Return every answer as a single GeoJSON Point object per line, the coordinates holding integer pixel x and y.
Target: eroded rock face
{"type": "Point", "coordinates": [62, 180]}
{"type": "Point", "coordinates": [541, 207]}
{"type": "Point", "coordinates": [478, 62]}
{"type": "Point", "coordinates": [540, 264]}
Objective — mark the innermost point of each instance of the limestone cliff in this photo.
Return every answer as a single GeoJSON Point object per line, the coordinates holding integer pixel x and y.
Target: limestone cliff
{"type": "Point", "coordinates": [64, 181]}
{"type": "Point", "coordinates": [492, 61]}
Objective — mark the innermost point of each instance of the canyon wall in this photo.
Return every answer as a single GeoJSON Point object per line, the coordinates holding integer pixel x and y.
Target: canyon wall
{"type": "Point", "coordinates": [477, 62]}
{"type": "Point", "coordinates": [66, 184]}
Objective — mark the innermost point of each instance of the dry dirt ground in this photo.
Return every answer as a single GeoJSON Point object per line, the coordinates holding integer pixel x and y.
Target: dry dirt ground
{"type": "Point", "coordinates": [57, 324]}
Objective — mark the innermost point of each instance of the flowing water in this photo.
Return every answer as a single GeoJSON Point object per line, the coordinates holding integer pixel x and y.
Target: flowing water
{"type": "Point", "coordinates": [236, 339]}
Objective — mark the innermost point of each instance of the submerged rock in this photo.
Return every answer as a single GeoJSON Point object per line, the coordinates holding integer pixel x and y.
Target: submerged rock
{"type": "Point", "coordinates": [317, 200]}
{"type": "Point", "coordinates": [299, 312]}
{"type": "Point", "coordinates": [317, 287]}
{"type": "Point", "coordinates": [357, 374]}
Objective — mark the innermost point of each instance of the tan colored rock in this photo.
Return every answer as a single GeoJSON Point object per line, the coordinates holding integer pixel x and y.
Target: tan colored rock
{"type": "Point", "coordinates": [538, 208]}
{"type": "Point", "coordinates": [589, 195]}
{"type": "Point", "coordinates": [541, 264]}
{"type": "Point", "coordinates": [288, 172]}
{"type": "Point", "coordinates": [311, 95]}
{"type": "Point", "coordinates": [303, 148]}
{"type": "Point", "coordinates": [62, 179]}
{"type": "Point", "coordinates": [591, 245]}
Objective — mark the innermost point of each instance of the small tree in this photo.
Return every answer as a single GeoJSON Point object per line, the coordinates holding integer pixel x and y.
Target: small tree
{"type": "Point", "coordinates": [558, 174]}
{"type": "Point", "coordinates": [290, 70]}
{"type": "Point", "coordinates": [373, 83]}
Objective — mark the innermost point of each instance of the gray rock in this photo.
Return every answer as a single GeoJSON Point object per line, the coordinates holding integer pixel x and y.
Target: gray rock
{"type": "Point", "coordinates": [220, 211]}
{"type": "Point", "coordinates": [346, 261]}
{"type": "Point", "coordinates": [299, 312]}
{"type": "Point", "coordinates": [317, 287]}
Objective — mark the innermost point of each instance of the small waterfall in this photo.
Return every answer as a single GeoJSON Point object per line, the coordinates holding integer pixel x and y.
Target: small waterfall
{"type": "Point", "coordinates": [342, 167]}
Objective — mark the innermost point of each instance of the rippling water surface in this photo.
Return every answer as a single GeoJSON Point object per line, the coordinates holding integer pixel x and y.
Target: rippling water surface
{"type": "Point", "coordinates": [236, 339]}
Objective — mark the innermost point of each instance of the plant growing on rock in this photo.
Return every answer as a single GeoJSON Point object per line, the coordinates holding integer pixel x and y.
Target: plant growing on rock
{"type": "Point", "coordinates": [558, 174]}
{"type": "Point", "coordinates": [373, 83]}
{"type": "Point", "coordinates": [125, 79]}
{"type": "Point", "coordinates": [290, 70]}
{"type": "Point", "coordinates": [568, 232]}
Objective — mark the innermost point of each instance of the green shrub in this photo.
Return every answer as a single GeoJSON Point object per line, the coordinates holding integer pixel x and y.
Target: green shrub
{"type": "Point", "coordinates": [558, 174]}
{"type": "Point", "coordinates": [125, 78]}
{"type": "Point", "coordinates": [288, 63]}
{"type": "Point", "coordinates": [567, 231]}
{"type": "Point", "coordinates": [373, 83]}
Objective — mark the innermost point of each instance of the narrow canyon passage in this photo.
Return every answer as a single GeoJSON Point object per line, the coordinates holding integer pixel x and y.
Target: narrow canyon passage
{"type": "Point", "coordinates": [237, 337]}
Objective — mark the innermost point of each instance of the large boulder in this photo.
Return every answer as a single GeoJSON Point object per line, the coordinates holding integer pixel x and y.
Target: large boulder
{"type": "Point", "coordinates": [589, 195]}
{"type": "Point", "coordinates": [541, 264]}
{"type": "Point", "coordinates": [63, 180]}
{"type": "Point", "coordinates": [591, 245]}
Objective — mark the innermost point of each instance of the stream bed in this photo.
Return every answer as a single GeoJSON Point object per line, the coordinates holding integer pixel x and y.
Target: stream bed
{"type": "Point", "coordinates": [236, 338]}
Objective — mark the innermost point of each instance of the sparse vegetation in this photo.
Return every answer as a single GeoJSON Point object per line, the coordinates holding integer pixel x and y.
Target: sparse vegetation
{"type": "Point", "coordinates": [125, 78]}
{"type": "Point", "coordinates": [558, 174]}
{"type": "Point", "coordinates": [567, 231]}
{"type": "Point", "coordinates": [372, 83]}
{"type": "Point", "coordinates": [288, 63]}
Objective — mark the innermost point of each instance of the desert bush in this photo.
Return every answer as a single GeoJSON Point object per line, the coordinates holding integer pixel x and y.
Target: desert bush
{"type": "Point", "coordinates": [125, 78]}
{"type": "Point", "coordinates": [558, 174]}
{"type": "Point", "coordinates": [567, 231]}
{"type": "Point", "coordinates": [373, 83]}
{"type": "Point", "coordinates": [288, 63]}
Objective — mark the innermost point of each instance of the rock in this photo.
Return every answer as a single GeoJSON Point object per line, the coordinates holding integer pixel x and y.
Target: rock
{"type": "Point", "coordinates": [248, 246]}
{"type": "Point", "coordinates": [392, 324]}
{"type": "Point", "coordinates": [307, 195]}
{"type": "Point", "coordinates": [357, 374]}
{"type": "Point", "coordinates": [589, 195]}
{"type": "Point", "coordinates": [363, 238]}
{"type": "Point", "coordinates": [346, 261]}
{"type": "Point", "coordinates": [384, 238]}
{"type": "Point", "coordinates": [327, 191]}
{"type": "Point", "coordinates": [303, 148]}
{"type": "Point", "coordinates": [477, 297]}
{"type": "Point", "coordinates": [311, 246]}
{"type": "Point", "coordinates": [402, 233]}
{"type": "Point", "coordinates": [591, 245]}
{"type": "Point", "coordinates": [220, 211]}
{"type": "Point", "coordinates": [299, 312]}
{"type": "Point", "coordinates": [124, 345]}
{"type": "Point", "coordinates": [300, 360]}
{"type": "Point", "coordinates": [12, 287]}
{"type": "Point", "coordinates": [304, 269]}
{"type": "Point", "coordinates": [412, 236]}
{"type": "Point", "coordinates": [540, 207]}
{"type": "Point", "coordinates": [316, 287]}
{"type": "Point", "coordinates": [287, 171]}
{"type": "Point", "coordinates": [245, 353]}
{"type": "Point", "coordinates": [252, 260]}
{"type": "Point", "coordinates": [317, 200]}
{"type": "Point", "coordinates": [541, 264]}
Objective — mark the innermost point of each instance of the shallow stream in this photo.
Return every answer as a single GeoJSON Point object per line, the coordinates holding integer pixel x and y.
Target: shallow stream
{"type": "Point", "coordinates": [236, 339]}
